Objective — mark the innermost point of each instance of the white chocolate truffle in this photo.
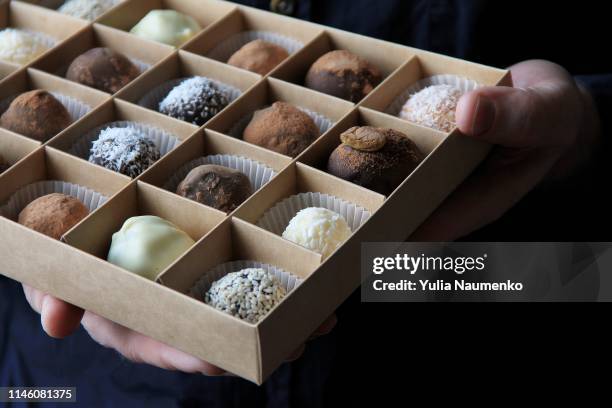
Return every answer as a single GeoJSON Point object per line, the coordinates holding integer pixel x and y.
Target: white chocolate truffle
{"type": "Point", "coordinates": [318, 229]}
{"type": "Point", "coordinates": [22, 46]}
{"type": "Point", "coordinates": [248, 294]}
{"type": "Point", "coordinates": [86, 9]}
{"type": "Point", "coordinates": [167, 26]}
{"type": "Point", "coordinates": [433, 107]}
{"type": "Point", "coordinates": [148, 245]}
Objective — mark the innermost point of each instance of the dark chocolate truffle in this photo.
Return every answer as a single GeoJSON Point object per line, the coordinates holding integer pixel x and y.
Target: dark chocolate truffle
{"type": "Point", "coordinates": [282, 128]}
{"type": "Point", "coordinates": [195, 100]}
{"type": "Point", "coordinates": [125, 151]}
{"type": "Point", "coordinates": [103, 69]}
{"type": "Point", "coordinates": [375, 158]}
{"type": "Point", "coordinates": [53, 214]}
{"type": "Point", "coordinates": [259, 56]}
{"type": "Point", "coordinates": [216, 186]}
{"type": "Point", "coordinates": [4, 166]}
{"type": "Point", "coordinates": [344, 75]}
{"type": "Point", "coordinates": [36, 114]}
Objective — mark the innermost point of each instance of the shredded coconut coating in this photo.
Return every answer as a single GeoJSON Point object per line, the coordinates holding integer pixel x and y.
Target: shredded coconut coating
{"type": "Point", "coordinates": [124, 150]}
{"type": "Point", "coordinates": [86, 9]}
{"type": "Point", "coordinates": [196, 100]}
{"type": "Point", "coordinates": [248, 294]}
{"type": "Point", "coordinates": [433, 107]}
{"type": "Point", "coordinates": [318, 229]}
{"type": "Point", "coordinates": [21, 46]}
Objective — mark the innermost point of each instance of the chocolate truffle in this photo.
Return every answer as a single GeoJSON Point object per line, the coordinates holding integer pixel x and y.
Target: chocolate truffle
{"type": "Point", "coordinates": [282, 128]}
{"type": "Point", "coordinates": [53, 214]}
{"type": "Point", "coordinates": [124, 150]}
{"type": "Point", "coordinates": [195, 100]}
{"type": "Point", "coordinates": [148, 245]}
{"type": "Point", "coordinates": [259, 56]}
{"type": "Point", "coordinates": [36, 114]}
{"type": "Point", "coordinates": [4, 166]}
{"type": "Point", "coordinates": [248, 294]}
{"type": "Point", "coordinates": [433, 107]}
{"type": "Point", "coordinates": [344, 75]}
{"type": "Point", "coordinates": [87, 9]}
{"type": "Point", "coordinates": [375, 158]}
{"type": "Point", "coordinates": [103, 69]}
{"type": "Point", "coordinates": [216, 186]}
{"type": "Point", "coordinates": [167, 26]}
{"type": "Point", "coordinates": [318, 229]}
{"type": "Point", "coordinates": [20, 46]}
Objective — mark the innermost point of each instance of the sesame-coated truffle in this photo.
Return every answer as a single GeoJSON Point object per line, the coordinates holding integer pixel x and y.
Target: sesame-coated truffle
{"type": "Point", "coordinates": [259, 56]}
{"type": "Point", "coordinates": [375, 158]}
{"type": "Point", "coordinates": [103, 69]}
{"type": "Point", "coordinates": [53, 214]}
{"type": "Point", "coordinates": [282, 128]}
{"type": "Point", "coordinates": [344, 75]}
{"type": "Point", "coordinates": [196, 100]}
{"type": "Point", "coordinates": [216, 186]}
{"type": "Point", "coordinates": [36, 114]}
{"type": "Point", "coordinates": [433, 107]}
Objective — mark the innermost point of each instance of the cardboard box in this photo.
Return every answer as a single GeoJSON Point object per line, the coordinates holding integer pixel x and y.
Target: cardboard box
{"type": "Point", "coordinates": [6, 70]}
{"type": "Point", "coordinates": [75, 270]}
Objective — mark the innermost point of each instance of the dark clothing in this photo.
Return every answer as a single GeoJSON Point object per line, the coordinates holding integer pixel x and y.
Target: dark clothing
{"type": "Point", "coordinates": [490, 32]}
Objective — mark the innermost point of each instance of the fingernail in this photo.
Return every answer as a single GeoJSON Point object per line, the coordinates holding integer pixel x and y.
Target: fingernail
{"type": "Point", "coordinates": [484, 118]}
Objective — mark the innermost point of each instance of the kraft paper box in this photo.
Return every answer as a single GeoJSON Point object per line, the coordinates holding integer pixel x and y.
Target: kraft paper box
{"type": "Point", "coordinates": [75, 269]}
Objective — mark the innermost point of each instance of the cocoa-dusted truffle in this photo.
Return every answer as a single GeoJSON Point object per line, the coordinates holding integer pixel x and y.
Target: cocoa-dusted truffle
{"type": "Point", "coordinates": [103, 69]}
{"type": "Point", "coordinates": [282, 128]}
{"type": "Point", "coordinates": [195, 100]}
{"type": "Point", "coordinates": [4, 166]}
{"type": "Point", "coordinates": [375, 158]}
{"type": "Point", "coordinates": [36, 114]}
{"type": "Point", "coordinates": [216, 186]}
{"type": "Point", "coordinates": [259, 56]}
{"type": "Point", "coordinates": [344, 75]}
{"type": "Point", "coordinates": [53, 214]}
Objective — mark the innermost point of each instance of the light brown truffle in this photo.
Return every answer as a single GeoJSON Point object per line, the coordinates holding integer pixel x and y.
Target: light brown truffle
{"type": "Point", "coordinates": [344, 75]}
{"type": "Point", "coordinates": [282, 128]}
{"type": "Point", "coordinates": [103, 69]}
{"type": "Point", "coordinates": [381, 170]}
{"type": "Point", "coordinates": [259, 56]}
{"type": "Point", "coordinates": [216, 186]}
{"type": "Point", "coordinates": [53, 214]}
{"type": "Point", "coordinates": [36, 114]}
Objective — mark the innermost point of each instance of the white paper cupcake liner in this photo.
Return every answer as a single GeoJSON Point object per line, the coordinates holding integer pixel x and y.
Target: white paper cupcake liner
{"type": "Point", "coordinates": [164, 141]}
{"type": "Point", "coordinates": [287, 280]}
{"type": "Point", "coordinates": [76, 108]}
{"type": "Point", "coordinates": [31, 192]}
{"type": "Point", "coordinates": [465, 84]}
{"type": "Point", "coordinates": [322, 122]}
{"type": "Point", "coordinates": [259, 174]}
{"type": "Point", "coordinates": [153, 98]}
{"type": "Point", "coordinates": [278, 217]}
{"type": "Point", "coordinates": [227, 48]}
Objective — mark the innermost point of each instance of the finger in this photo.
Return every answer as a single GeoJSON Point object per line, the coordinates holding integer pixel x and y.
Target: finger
{"type": "Point", "coordinates": [296, 354]}
{"type": "Point", "coordinates": [58, 318]}
{"type": "Point", "coordinates": [142, 349]}
{"type": "Point", "coordinates": [325, 328]}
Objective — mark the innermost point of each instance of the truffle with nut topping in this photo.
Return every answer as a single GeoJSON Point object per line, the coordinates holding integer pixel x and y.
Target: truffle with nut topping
{"type": "Point", "coordinates": [433, 107]}
{"type": "Point", "coordinates": [259, 56]}
{"type": "Point", "coordinates": [282, 128]}
{"type": "Point", "coordinates": [53, 214]}
{"type": "Point", "coordinates": [375, 158]}
{"type": "Point", "coordinates": [344, 75]}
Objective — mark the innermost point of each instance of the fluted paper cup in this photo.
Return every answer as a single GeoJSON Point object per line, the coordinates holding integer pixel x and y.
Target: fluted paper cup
{"type": "Point", "coordinates": [259, 174]}
{"type": "Point", "coordinates": [278, 217]}
{"type": "Point", "coordinates": [75, 107]}
{"type": "Point", "coordinates": [18, 201]}
{"type": "Point", "coordinates": [227, 48]}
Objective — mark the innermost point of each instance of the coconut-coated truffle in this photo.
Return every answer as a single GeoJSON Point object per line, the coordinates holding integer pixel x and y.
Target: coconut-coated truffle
{"type": "Point", "coordinates": [433, 107]}
{"type": "Point", "coordinates": [195, 100]}
{"type": "Point", "coordinates": [216, 186]}
{"type": "Point", "coordinates": [124, 150]}
{"type": "Point", "coordinates": [167, 26]}
{"type": "Point", "coordinates": [87, 9]}
{"type": "Point", "coordinates": [36, 114]}
{"type": "Point", "coordinates": [375, 158]}
{"type": "Point", "coordinates": [103, 69]}
{"type": "Point", "coordinates": [21, 46]}
{"type": "Point", "coordinates": [318, 229]}
{"type": "Point", "coordinates": [53, 214]}
{"type": "Point", "coordinates": [248, 294]}
{"type": "Point", "coordinates": [344, 75]}
{"type": "Point", "coordinates": [259, 56]}
{"type": "Point", "coordinates": [282, 128]}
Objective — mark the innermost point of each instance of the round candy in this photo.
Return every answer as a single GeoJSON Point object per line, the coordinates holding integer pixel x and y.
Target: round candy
{"type": "Point", "coordinates": [53, 214]}
{"type": "Point", "coordinates": [195, 100]}
{"type": "Point", "coordinates": [21, 46]}
{"type": "Point", "coordinates": [433, 107]}
{"type": "Point", "coordinates": [259, 56]}
{"type": "Point", "coordinates": [167, 26]}
{"type": "Point", "coordinates": [86, 9]}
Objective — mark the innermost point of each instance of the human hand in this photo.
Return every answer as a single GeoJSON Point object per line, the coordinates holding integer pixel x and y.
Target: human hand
{"type": "Point", "coordinates": [543, 128]}
{"type": "Point", "coordinates": [60, 319]}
